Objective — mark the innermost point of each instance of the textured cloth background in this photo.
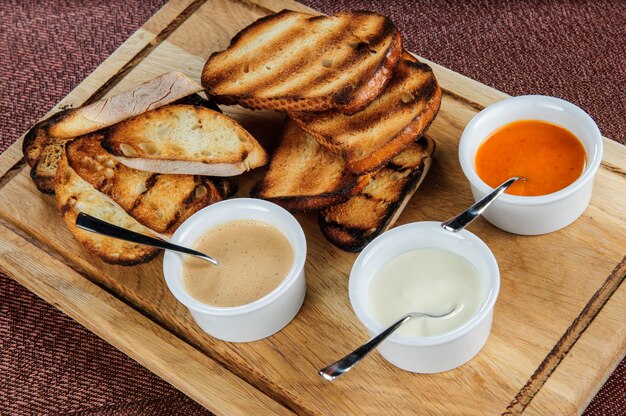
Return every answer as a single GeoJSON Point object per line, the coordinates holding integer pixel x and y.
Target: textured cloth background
{"type": "Point", "coordinates": [51, 365]}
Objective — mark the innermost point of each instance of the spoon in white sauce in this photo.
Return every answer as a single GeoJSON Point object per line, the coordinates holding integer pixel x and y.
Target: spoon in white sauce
{"type": "Point", "coordinates": [454, 225]}
{"type": "Point", "coordinates": [345, 364]}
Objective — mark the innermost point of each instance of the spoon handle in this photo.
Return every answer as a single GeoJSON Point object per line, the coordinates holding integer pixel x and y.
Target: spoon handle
{"type": "Point", "coordinates": [346, 363]}
{"type": "Point", "coordinates": [96, 225]}
{"type": "Point", "coordinates": [462, 220]}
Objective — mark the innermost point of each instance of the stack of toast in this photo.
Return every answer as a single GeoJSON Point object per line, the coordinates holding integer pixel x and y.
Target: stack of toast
{"type": "Point", "coordinates": [144, 160]}
{"type": "Point", "coordinates": [358, 106]}
{"type": "Point", "coordinates": [353, 148]}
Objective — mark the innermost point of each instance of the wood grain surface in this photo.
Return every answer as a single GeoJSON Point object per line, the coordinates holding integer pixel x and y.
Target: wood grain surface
{"type": "Point", "coordinates": [558, 326]}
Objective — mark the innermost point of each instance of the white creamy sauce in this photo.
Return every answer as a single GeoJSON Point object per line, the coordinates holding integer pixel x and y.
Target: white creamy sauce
{"type": "Point", "coordinates": [427, 280]}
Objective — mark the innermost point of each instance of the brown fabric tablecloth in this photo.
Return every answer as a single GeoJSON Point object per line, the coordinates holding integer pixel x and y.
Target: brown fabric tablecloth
{"type": "Point", "coordinates": [51, 365]}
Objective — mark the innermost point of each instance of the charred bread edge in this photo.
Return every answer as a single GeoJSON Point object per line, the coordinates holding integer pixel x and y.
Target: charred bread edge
{"type": "Point", "coordinates": [404, 138]}
{"type": "Point", "coordinates": [302, 203]}
{"type": "Point", "coordinates": [394, 211]}
{"type": "Point", "coordinates": [368, 91]}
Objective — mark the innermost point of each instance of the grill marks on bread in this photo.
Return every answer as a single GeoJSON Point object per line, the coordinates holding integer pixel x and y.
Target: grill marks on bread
{"type": "Point", "coordinates": [296, 61]}
{"type": "Point", "coordinates": [371, 137]}
{"type": "Point", "coordinates": [161, 202]}
{"type": "Point", "coordinates": [354, 223]}
{"type": "Point", "coordinates": [304, 175]}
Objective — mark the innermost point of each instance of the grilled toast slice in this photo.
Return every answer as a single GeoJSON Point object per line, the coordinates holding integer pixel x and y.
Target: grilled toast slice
{"type": "Point", "coordinates": [305, 176]}
{"type": "Point", "coordinates": [370, 138]}
{"type": "Point", "coordinates": [74, 195]}
{"type": "Point", "coordinates": [45, 142]}
{"type": "Point", "coordinates": [160, 202]}
{"type": "Point", "coordinates": [184, 139]}
{"type": "Point", "coordinates": [353, 224]}
{"type": "Point", "coordinates": [295, 61]}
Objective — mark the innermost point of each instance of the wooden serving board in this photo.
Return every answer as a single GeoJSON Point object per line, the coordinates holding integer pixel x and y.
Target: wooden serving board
{"type": "Point", "coordinates": [559, 327]}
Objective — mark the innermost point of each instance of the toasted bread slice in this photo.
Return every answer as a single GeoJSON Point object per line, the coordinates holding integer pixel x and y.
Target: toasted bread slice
{"type": "Point", "coordinates": [305, 176]}
{"type": "Point", "coordinates": [353, 224]}
{"type": "Point", "coordinates": [184, 139]}
{"type": "Point", "coordinates": [162, 90]}
{"type": "Point", "coordinates": [370, 138]}
{"type": "Point", "coordinates": [161, 202]}
{"type": "Point", "coordinates": [45, 142]}
{"type": "Point", "coordinates": [295, 61]}
{"type": "Point", "coordinates": [74, 195]}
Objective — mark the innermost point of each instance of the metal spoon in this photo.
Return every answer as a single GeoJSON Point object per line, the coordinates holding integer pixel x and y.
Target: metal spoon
{"type": "Point", "coordinates": [96, 225]}
{"type": "Point", "coordinates": [462, 220]}
{"type": "Point", "coordinates": [346, 363]}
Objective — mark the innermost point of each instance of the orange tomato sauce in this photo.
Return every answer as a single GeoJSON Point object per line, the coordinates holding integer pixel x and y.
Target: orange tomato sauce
{"type": "Point", "coordinates": [549, 156]}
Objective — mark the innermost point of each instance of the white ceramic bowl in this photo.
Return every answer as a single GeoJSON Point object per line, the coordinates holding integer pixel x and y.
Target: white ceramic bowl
{"type": "Point", "coordinates": [532, 215]}
{"type": "Point", "coordinates": [431, 354]}
{"type": "Point", "coordinates": [258, 319]}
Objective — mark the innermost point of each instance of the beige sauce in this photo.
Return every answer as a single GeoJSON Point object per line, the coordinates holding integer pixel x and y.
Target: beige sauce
{"type": "Point", "coordinates": [254, 259]}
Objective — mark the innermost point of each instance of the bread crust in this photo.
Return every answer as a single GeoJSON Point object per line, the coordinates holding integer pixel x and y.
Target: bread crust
{"type": "Point", "coordinates": [304, 203]}
{"type": "Point", "coordinates": [369, 90]}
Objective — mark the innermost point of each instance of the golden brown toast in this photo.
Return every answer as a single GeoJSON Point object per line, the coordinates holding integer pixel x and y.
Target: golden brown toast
{"type": "Point", "coordinates": [74, 195]}
{"type": "Point", "coordinates": [354, 223]}
{"type": "Point", "coordinates": [184, 139]}
{"type": "Point", "coordinates": [160, 202]}
{"type": "Point", "coordinates": [45, 142]}
{"type": "Point", "coordinates": [370, 138]}
{"type": "Point", "coordinates": [295, 61]}
{"type": "Point", "coordinates": [305, 176]}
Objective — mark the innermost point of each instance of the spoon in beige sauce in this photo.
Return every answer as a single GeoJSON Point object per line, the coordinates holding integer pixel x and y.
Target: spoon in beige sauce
{"type": "Point", "coordinates": [95, 225]}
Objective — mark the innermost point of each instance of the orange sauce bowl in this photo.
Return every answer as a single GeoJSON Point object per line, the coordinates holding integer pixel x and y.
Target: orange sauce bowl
{"type": "Point", "coordinates": [552, 142]}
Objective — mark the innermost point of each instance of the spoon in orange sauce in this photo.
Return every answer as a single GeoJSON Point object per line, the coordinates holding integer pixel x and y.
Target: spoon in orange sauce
{"type": "Point", "coordinates": [548, 155]}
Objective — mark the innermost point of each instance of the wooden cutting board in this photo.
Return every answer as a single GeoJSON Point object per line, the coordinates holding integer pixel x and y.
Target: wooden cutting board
{"type": "Point", "coordinates": [559, 327]}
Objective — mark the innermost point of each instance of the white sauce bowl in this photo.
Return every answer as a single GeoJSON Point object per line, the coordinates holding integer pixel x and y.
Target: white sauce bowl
{"type": "Point", "coordinates": [431, 354]}
{"type": "Point", "coordinates": [255, 320]}
{"type": "Point", "coordinates": [533, 215]}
